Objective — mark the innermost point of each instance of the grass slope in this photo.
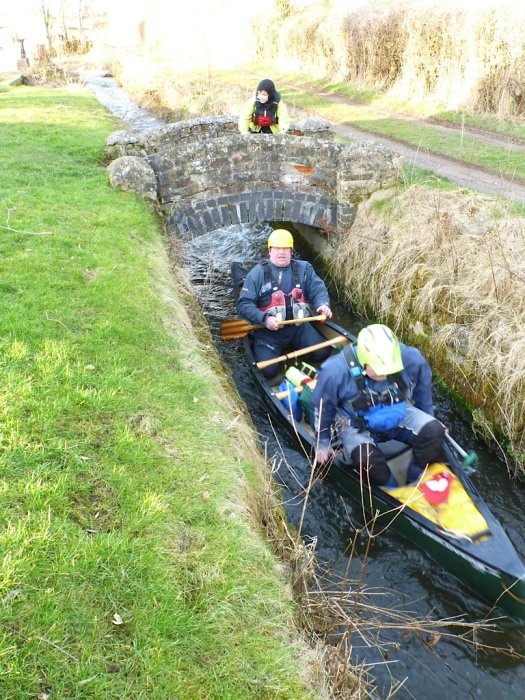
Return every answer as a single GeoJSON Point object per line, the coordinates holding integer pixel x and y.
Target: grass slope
{"type": "Point", "coordinates": [129, 569]}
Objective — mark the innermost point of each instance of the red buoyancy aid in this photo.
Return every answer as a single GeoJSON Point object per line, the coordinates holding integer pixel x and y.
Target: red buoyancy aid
{"type": "Point", "coordinates": [265, 114]}
{"type": "Point", "coordinates": [285, 306]}
{"type": "Point", "coordinates": [277, 305]}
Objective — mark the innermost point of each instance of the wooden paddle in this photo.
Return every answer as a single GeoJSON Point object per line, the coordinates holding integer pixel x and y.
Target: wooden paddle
{"type": "Point", "coordinates": [237, 328]}
{"type": "Point", "coordinates": [337, 340]}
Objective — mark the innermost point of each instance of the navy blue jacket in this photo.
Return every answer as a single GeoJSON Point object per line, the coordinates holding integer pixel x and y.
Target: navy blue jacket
{"type": "Point", "coordinates": [335, 385]}
{"type": "Point", "coordinates": [255, 290]}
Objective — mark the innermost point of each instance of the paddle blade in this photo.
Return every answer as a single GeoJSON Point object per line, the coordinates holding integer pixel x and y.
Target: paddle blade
{"type": "Point", "coordinates": [235, 329]}
{"type": "Point", "coordinates": [469, 460]}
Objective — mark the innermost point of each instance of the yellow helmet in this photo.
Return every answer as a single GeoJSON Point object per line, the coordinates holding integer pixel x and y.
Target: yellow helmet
{"type": "Point", "coordinates": [378, 347]}
{"type": "Point", "coordinates": [280, 238]}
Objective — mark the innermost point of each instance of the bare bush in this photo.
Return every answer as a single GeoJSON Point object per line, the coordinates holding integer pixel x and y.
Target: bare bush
{"type": "Point", "coordinates": [359, 46]}
{"type": "Point", "coordinates": [451, 55]}
{"type": "Point", "coordinates": [459, 56]}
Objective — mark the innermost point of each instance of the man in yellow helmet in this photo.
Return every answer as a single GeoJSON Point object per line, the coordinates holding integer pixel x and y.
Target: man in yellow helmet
{"type": "Point", "coordinates": [279, 289]}
{"type": "Point", "coordinates": [381, 390]}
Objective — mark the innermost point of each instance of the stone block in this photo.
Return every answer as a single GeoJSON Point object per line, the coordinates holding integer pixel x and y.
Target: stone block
{"type": "Point", "coordinates": [272, 209]}
{"type": "Point", "coordinates": [287, 209]}
{"type": "Point", "coordinates": [235, 214]}
{"type": "Point", "coordinates": [296, 210]}
{"type": "Point", "coordinates": [252, 208]}
{"type": "Point", "coordinates": [207, 220]}
{"type": "Point", "coordinates": [225, 217]}
{"type": "Point", "coordinates": [260, 210]}
{"type": "Point", "coordinates": [134, 174]}
{"type": "Point", "coordinates": [216, 218]}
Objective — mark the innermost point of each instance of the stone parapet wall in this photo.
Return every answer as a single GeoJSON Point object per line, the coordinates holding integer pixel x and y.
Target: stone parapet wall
{"type": "Point", "coordinates": [202, 174]}
{"type": "Point", "coordinates": [232, 163]}
{"type": "Point", "coordinates": [144, 143]}
{"type": "Point", "coordinates": [141, 143]}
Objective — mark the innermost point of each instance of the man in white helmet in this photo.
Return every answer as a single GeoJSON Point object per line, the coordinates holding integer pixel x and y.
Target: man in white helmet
{"type": "Point", "coordinates": [381, 390]}
{"type": "Point", "coordinates": [279, 289]}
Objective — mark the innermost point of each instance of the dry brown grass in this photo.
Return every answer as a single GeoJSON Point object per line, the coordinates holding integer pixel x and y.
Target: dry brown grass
{"type": "Point", "coordinates": [451, 55]}
{"type": "Point", "coordinates": [171, 95]}
{"type": "Point", "coordinates": [448, 272]}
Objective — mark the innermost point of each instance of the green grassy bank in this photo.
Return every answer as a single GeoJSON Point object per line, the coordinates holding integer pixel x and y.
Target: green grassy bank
{"type": "Point", "coordinates": [131, 567]}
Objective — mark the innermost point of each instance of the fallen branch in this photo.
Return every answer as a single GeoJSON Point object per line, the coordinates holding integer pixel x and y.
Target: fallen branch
{"type": "Point", "coordinates": [27, 233]}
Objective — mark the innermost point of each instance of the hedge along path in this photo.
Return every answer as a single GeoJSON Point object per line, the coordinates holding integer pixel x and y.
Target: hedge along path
{"type": "Point", "coordinates": [132, 561]}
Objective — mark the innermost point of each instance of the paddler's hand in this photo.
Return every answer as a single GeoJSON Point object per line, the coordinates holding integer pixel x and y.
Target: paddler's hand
{"type": "Point", "coordinates": [271, 323]}
{"type": "Point", "coordinates": [324, 455]}
{"type": "Point", "coordinates": [323, 459]}
{"type": "Point", "coordinates": [324, 309]}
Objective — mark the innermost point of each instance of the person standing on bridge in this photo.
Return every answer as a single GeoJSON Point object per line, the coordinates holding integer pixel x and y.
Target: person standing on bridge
{"type": "Point", "coordinates": [278, 289]}
{"type": "Point", "coordinates": [267, 114]}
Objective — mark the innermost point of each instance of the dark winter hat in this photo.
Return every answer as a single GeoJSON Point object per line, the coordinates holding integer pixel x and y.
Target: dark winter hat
{"type": "Point", "coordinates": [268, 86]}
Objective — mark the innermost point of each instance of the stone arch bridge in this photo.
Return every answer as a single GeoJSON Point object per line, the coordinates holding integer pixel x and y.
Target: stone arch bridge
{"type": "Point", "coordinates": [202, 175]}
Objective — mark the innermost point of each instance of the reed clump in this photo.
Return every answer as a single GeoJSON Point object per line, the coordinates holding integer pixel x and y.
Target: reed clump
{"type": "Point", "coordinates": [447, 271]}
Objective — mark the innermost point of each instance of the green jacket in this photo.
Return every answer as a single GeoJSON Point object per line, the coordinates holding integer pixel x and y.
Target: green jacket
{"type": "Point", "coordinates": [246, 124]}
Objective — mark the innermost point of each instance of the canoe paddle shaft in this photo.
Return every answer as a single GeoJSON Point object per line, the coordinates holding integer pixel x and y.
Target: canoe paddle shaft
{"type": "Point", "coordinates": [337, 340]}
{"type": "Point", "coordinates": [237, 328]}
{"type": "Point", "coordinates": [285, 394]}
{"type": "Point", "coordinates": [468, 457]}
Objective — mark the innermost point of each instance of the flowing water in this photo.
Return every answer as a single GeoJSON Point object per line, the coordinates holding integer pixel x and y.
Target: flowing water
{"type": "Point", "coordinates": [117, 101]}
{"type": "Point", "coordinates": [405, 577]}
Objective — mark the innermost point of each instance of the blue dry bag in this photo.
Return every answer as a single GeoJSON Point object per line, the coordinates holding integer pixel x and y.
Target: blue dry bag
{"type": "Point", "coordinates": [383, 418]}
{"type": "Point", "coordinates": [291, 401]}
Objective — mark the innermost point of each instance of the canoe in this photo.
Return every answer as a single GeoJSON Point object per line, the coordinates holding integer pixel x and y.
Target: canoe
{"type": "Point", "coordinates": [443, 513]}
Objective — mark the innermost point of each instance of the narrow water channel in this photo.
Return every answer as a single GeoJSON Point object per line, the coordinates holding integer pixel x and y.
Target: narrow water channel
{"type": "Point", "coordinates": [450, 668]}
{"type": "Point", "coordinates": [405, 577]}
